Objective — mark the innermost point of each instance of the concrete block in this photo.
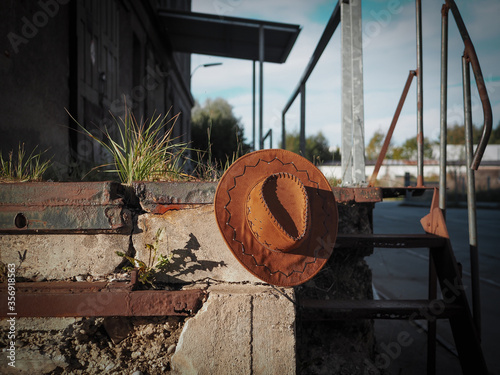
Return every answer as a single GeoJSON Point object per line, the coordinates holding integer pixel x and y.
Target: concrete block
{"type": "Point", "coordinates": [273, 333]}
{"type": "Point", "coordinates": [240, 330]}
{"type": "Point", "coordinates": [192, 238]}
{"type": "Point", "coordinates": [56, 257]}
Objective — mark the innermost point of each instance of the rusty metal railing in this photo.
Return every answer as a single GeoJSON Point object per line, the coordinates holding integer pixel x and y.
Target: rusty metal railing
{"type": "Point", "coordinates": [469, 59]}
{"type": "Point", "coordinates": [388, 137]}
{"type": "Point", "coordinates": [269, 135]}
{"type": "Point", "coordinates": [471, 55]}
{"type": "Point", "coordinates": [420, 128]}
{"type": "Point", "coordinates": [330, 28]}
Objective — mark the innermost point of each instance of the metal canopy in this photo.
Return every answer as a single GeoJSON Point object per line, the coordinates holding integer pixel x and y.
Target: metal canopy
{"type": "Point", "coordinates": [228, 36]}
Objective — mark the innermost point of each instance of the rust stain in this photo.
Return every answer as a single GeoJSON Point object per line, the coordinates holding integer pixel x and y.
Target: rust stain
{"type": "Point", "coordinates": [343, 194]}
{"type": "Point", "coordinates": [359, 195]}
{"type": "Point", "coordinates": [160, 209]}
{"type": "Point", "coordinates": [434, 222]}
{"type": "Point", "coordinates": [444, 10]}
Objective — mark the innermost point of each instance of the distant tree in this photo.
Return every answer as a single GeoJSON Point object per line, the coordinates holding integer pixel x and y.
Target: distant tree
{"type": "Point", "coordinates": [395, 153]}
{"type": "Point", "coordinates": [337, 156]}
{"type": "Point", "coordinates": [375, 145]}
{"type": "Point", "coordinates": [216, 124]}
{"type": "Point", "coordinates": [495, 135]}
{"type": "Point", "coordinates": [409, 149]}
{"type": "Point", "coordinates": [317, 148]}
{"type": "Point", "coordinates": [455, 134]}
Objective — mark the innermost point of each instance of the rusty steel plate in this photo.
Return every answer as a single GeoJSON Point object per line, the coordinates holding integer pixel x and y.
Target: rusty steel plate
{"type": "Point", "coordinates": [85, 299]}
{"type": "Point", "coordinates": [357, 194]}
{"type": "Point", "coordinates": [154, 195]}
{"type": "Point", "coordinates": [63, 207]}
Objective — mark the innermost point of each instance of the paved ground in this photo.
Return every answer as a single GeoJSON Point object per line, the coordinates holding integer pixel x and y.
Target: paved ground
{"type": "Point", "coordinates": [402, 274]}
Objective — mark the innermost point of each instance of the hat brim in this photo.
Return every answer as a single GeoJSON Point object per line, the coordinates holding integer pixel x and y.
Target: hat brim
{"type": "Point", "coordinates": [273, 267]}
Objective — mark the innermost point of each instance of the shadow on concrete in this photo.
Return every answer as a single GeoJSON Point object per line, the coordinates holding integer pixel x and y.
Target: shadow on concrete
{"type": "Point", "coordinates": [185, 262]}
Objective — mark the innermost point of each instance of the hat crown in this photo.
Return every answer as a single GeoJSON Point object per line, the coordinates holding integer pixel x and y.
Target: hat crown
{"type": "Point", "coordinates": [278, 212]}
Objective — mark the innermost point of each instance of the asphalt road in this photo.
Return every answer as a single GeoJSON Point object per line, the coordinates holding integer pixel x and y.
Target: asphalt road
{"type": "Point", "coordinates": [403, 274]}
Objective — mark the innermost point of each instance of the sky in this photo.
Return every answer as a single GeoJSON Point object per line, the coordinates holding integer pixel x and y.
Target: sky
{"type": "Point", "coordinates": [389, 53]}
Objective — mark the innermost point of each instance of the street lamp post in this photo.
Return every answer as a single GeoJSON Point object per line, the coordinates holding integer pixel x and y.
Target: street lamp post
{"type": "Point", "coordinates": [205, 66]}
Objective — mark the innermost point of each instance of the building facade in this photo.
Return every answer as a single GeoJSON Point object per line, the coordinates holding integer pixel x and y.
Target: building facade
{"type": "Point", "coordinates": [89, 59]}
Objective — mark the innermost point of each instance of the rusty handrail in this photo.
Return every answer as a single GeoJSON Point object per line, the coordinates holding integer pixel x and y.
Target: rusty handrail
{"type": "Point", "coordinates": [385, 146]}
{"type": "Point", "coordinates": [470, 53]}
{"type": "Point", "coordinates": [328, 32]}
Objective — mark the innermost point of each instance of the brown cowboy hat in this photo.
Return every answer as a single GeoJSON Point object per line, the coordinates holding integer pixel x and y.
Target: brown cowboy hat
{"type": "Point", "coordinates": [277, 213]}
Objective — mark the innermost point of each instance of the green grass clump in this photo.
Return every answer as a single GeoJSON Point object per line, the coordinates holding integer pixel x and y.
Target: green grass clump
{"type": "Point", "coordinates": [23, 168]}
{"type": "Point", "coordinates": [143, 151]}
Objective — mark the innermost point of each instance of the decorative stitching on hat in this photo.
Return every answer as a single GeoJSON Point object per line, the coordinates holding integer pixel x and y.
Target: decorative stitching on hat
{"type": "Point", "coordinates": [241, 243]}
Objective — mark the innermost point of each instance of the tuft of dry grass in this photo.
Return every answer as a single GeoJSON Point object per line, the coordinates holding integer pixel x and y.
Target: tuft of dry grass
{"type": "Point", "coordinates": [143, 150]}
{"type": "Point", "coordinates": [23, 167]}
{"type": "Point", "coordinates": [212, 169]}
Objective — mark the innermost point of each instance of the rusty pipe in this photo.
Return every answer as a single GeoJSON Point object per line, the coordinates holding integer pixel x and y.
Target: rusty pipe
{"type": "Point", "coordinates": [420, 98]}
{"type": "Point", "coordinates": [471, 55]}
{"type": "Point", "coordinates": [471, 199]}
{"type": "Point", "coordinates": [387, 141]}
{"type": "Point", "coordinates": [443, 109]}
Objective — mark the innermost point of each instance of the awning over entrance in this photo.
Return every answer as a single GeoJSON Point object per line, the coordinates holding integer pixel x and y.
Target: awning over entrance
{"type": "Point", "coordinates": [228, 36]}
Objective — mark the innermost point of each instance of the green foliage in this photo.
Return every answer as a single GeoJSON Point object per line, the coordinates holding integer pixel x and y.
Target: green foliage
{"type": "Point", "coordinates": [495, 136]}
{"type": "Point", "coordinates": [22, 168]}
{"type": "Point", "coordinates": [143, 151]}
{"type": "Point", "coordinates": [408, 151]}
{"type": "Point", "coordinates": [395, 153]}
{"type": "Point", "coordinates": [148, 271]}
{"type": "Point", "coordinates": [317, 148]}
{"type": "Point", "coordinates": [375, 145]}
{"type": "Point", "coordinates": [456, 135]}
{"type": "Point", "coordinates": [217, 132]}
{"type": "Point", "coordinates": [334, 182]}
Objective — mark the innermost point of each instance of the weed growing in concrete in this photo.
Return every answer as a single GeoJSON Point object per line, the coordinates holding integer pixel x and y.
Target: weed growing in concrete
{"type": "Point", "coordinates": [212, 169]}
{"type": "Point", "coordinates": [23, 168]}
{"type": "Point", "coordinates": [335, 182]}
{"type": "Point", "coordinates": [147, 271]}
{"type": "Point", "coordinates": [143, 151]}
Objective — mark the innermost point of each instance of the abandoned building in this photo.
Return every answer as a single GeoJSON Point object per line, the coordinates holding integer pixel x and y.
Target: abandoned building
{"type": "Point", "coordinates": [88, 59]}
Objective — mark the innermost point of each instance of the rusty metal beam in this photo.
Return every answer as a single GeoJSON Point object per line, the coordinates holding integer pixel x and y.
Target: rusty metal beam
{"type": "Point", "coordinates": [155, 194]}
{"type": "Point", "coordinates": [388, 136]}
{"type": "Point", "coordinates": [63, 207]}
{"type": "Point", "coordinates": [83, 299]}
